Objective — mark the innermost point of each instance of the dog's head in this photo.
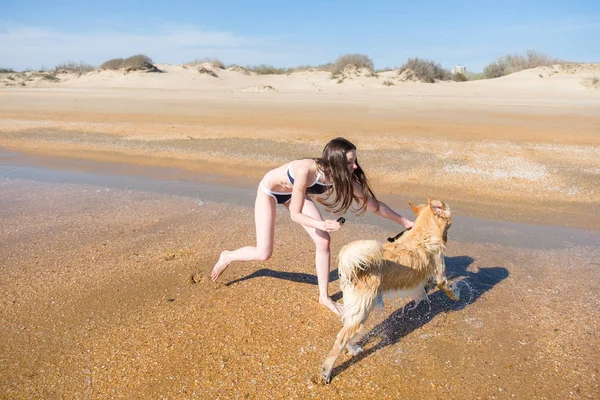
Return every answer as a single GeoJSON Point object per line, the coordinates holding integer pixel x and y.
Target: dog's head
{"type": "Point", "coordinates": [437, 211]}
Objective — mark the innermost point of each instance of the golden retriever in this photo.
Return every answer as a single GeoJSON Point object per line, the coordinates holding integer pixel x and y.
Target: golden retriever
{"type": "Point", "coordinates": [370, 270]}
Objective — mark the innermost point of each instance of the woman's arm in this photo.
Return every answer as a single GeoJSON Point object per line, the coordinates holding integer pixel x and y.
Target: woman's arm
{"type": "Point", "coordinates": [382, 209]}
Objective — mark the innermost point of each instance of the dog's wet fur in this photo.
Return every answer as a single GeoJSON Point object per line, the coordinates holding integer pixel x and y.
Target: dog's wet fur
{"type": "Point", "coordinates": [370, 270]}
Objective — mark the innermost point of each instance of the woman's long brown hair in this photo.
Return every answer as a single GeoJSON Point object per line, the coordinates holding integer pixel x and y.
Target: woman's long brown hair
{"type": "Point", "coordinates": [334, 164]}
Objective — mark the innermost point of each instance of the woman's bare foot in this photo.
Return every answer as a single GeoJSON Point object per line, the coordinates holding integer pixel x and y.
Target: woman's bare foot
{"type": "Point", "coordinates": [332, 305]}
{"type": "Point", "coordinates": [220, 266]}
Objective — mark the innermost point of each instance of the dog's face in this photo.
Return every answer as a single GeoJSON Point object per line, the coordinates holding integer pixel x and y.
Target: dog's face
{"type": "Point", "coordinates": [438, 210]}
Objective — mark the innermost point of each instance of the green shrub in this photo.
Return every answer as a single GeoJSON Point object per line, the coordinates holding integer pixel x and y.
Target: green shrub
{"type": "Point", "coordinates": [138, 62]}
{"type": "Point", "coordinates": [49, 77]}
{"type": "Point", "coordinates": [494, 70]}
{"type": "Point", "coordinates": [6, 70]}
{"type": "Point", "coordinates": [459, 77]}
{"type": "Point", "coordinates": [512, 63]}
{"type": "Point", "coordinates": [114, 63]}
{"type": "Point", "coordinates": [426, 70]}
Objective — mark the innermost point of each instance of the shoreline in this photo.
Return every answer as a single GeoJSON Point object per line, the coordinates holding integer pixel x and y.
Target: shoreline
{"type": "Point", "coordinates": [214, 189]}
{"type": "Point", "coordinates": [485, 201]}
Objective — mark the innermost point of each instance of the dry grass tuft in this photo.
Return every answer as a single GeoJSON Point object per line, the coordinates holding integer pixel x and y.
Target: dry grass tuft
{"type": "Point", "coordinates": [512, 63]}
{"type": "Point", "coordinates": [207, 71]}
{"type": "Point", "coordinates": [237, 68]}
{"type": "Point", "coordinates": [359, 61]}
{"type": "Point", "coordinates": [592, 82]}
{"type": "Point", "coordinates": [75, 67]}
{"type": "Point", "coordinates": [425, 70]}
{"type": "Point", "coordinates": [264, 69]}
{"type": "Point", "coordinates": [49, 77]}
{"type": "Point", "coordinates": [112, 64]}
{"type": "Point", "coordinates": [459, 77]}
{"type": "Point", "coordinates": [213, 62]}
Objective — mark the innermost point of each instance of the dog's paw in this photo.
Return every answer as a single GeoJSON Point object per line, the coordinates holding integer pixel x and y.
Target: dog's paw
{"type": "Point", "coordinates": [326, 376]}
{"type": "Point", "coordinates": [354, 349]}
{"type": "Point", "coordinates": [456, 294]}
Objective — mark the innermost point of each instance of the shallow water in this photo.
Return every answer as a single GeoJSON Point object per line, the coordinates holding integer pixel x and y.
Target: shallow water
{"type": "Point", "coordinates": [206, 188]}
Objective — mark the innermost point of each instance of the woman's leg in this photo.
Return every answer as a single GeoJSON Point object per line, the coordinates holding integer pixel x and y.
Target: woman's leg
{"type": "Point", "coordinates": [322, 256]}
{"type": "Point", "coordinates": [264, 218]}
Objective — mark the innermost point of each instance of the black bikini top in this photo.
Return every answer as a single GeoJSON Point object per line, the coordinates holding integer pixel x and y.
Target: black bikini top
{"type": "Point", "coordinates": [316, 187]}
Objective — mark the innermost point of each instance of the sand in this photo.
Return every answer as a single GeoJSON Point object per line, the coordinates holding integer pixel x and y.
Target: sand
{"type": "Point", "coordinates": [97, 296]}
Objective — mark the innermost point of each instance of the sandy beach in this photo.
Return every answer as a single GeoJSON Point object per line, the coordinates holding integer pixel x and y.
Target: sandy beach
{"type": "Point", "coordinates": [116, 188]}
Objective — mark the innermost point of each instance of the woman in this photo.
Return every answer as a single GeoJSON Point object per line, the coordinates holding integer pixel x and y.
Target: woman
{"type": "Point", "coordinates": [336, 175]}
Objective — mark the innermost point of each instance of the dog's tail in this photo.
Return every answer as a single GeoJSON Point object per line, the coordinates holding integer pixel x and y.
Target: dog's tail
{"type": "Point", "coordinates": [358, 256]}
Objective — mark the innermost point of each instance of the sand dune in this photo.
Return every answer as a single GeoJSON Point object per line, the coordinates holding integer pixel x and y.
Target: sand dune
{"type": "Point", "coordinates": [209, 77]}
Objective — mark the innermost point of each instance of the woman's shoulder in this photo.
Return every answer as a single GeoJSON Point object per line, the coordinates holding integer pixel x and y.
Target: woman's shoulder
{"type": "Point", "coordinates": [305, 168]}
{"type": "Point", "coordinates": [304, 165]}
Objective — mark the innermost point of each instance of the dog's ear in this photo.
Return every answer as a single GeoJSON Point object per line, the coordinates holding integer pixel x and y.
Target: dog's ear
{"type": "Point", "coordinates": [415, 209]}
{"type": "Point", "coordinates": [436, 205]}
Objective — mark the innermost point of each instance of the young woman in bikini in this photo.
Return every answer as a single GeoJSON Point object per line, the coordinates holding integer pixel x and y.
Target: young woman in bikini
{"type": "Point", "coordinates": [336, 175]}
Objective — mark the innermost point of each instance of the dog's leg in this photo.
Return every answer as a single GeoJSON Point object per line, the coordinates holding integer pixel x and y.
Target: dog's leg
{"type": "Point", "coordinates": [442, 282]}
{"type": "Point", "coordinates": [352, 347]}
{"type": "Point", "coordinates": [359, 305]}
{"type": "Point", "coordinates": [443, 285]}
{"type": "Point", "coordinates": [342, 339]}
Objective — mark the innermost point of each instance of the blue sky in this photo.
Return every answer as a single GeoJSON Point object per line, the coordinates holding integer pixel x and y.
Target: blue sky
{"type": "Point", "coordinates": [287, 34]}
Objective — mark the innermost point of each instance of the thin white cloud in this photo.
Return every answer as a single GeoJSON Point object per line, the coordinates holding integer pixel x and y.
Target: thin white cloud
{"type": "Point", "coordinates": [33, 47]}
{"type": "Point", "coordinates": [30, 47]}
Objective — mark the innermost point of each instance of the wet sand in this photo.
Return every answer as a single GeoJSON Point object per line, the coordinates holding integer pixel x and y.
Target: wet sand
{"type": "Point", "coordinates": [111, 198]}
{"type": "Point", "coordinates": [515, 156]}
{"type": "Point", "coordinates": [98, 303]}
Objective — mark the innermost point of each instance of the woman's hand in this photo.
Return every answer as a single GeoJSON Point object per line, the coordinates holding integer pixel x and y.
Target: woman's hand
{"type": "Point", "coordinates": [330, 225]}
{"type": "Point", "coordinates": [407, 223]}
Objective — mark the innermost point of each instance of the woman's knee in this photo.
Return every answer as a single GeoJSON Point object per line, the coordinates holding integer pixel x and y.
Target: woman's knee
{"type": "Point", "coordinates": [322, 241]}
{"type": "Point", "coordinates": [263, 254]}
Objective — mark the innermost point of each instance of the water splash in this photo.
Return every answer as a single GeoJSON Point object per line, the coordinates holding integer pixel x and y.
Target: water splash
{"type": "Point", "coordinates": [458, 286]}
